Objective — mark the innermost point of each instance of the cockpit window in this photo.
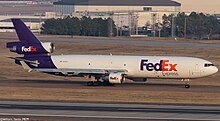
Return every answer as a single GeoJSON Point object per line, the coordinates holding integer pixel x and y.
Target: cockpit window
{"type": "Point", "coordinates": [208, 65]}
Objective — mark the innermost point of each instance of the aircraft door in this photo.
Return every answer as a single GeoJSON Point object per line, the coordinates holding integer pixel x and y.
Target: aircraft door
{"type": "Point", "coordinates": [196, 71]}
{"type": "Point", "coordinates": [197, 67]}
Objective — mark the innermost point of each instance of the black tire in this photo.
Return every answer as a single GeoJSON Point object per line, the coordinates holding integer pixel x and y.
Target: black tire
{"type": "Point", "coordinates": [98, 83]}
{"type": "Point", "coordinates": [187, 86]}
{"type": "Point", "coordinates": [106, 83]}
{"type": "Point", "coordinates": [90, 83]}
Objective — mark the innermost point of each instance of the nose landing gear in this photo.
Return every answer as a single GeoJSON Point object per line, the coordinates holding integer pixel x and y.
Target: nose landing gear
{"type": "Point", "coordinates": [186, 85]}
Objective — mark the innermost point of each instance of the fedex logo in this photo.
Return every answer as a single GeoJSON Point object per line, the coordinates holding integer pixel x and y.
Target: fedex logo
{"type": "Point", "coordinates": [29, 49]}
{"type": "Point", "coordinates": [113, 78]}
{"type": "Point", "coordinates": [163, 65]}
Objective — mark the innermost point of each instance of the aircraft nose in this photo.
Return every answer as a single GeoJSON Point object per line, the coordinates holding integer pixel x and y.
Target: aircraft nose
{"type": "Point", "coordinates": [215, 70]}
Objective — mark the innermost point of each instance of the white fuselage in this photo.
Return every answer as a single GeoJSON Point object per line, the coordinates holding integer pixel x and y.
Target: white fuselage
{"type": "Point", "coordinates": [139, 66]}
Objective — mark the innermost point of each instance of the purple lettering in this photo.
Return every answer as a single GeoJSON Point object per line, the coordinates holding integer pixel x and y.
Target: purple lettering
{"type": "Point", "coordinates": [143, 63]}
{"type": "Point", "coordinates": [150, 66]}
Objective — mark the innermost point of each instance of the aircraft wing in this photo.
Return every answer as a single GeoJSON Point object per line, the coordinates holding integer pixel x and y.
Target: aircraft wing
{"type": "Point", "coordinates": [68, 72]}
{"type": "Point", "coordinates": [75, 72]}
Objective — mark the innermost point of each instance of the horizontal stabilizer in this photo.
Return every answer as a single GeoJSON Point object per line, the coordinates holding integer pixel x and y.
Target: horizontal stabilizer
{"type": "Point", "coordinates": [20, 59]}
{"type": "Point", "coordinates": [25, 66]}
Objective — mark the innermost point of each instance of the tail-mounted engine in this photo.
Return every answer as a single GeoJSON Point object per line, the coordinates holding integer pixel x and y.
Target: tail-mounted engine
{"type": "Point", "coordinates": [31, 48]}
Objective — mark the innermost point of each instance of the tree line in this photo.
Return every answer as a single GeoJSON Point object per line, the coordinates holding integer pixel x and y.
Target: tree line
{"type": "Point", "coordinates": [86, 26]}
{"type": "Point", "coordinates": [194, 25]}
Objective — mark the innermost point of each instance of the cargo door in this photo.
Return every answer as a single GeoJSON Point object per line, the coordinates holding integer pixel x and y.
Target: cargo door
{"type": "Point", "coordinates": [196, 71]}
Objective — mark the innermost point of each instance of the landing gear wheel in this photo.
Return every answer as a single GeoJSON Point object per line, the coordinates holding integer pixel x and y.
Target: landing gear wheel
{"type": "Point", "coordinates": [106, 83]}
{"type": "Point", "coordinates": [90, 83]}
{"type": "Point", "coordinates": [98, 83]}
{"type": "Point", "coordinates": [187, 86]}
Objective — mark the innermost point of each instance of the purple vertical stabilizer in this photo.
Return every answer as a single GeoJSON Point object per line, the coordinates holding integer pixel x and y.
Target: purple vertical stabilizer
{"type": "Point", "coordinates": [23, 32]}
{"type": "Point", "coordinates": [28, 44]}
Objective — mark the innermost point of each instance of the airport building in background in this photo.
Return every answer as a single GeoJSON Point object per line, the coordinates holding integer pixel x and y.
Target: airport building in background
{"type": "Point", "coordinates": [32, 12]}
{"type": "Point", "coordinates": [32, 22]}
{"type": "Point", "coordinates": [127, 14]}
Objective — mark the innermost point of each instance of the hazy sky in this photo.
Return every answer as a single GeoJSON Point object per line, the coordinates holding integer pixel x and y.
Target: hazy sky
{"type": "Point", "coordinates": [207, 6]}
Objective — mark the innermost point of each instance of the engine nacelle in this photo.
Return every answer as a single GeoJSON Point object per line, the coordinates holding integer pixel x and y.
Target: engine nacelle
{"type": "Point", "coordinates": [48, 46]}
{"type": "Point", "coordinates": [114, 78]}
{"type": "Point", "coordinates": [31, 48]}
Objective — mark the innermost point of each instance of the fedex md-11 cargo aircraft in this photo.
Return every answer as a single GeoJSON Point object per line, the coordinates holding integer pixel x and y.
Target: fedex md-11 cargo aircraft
{"type": "Point", "coordinates": [107, 69]}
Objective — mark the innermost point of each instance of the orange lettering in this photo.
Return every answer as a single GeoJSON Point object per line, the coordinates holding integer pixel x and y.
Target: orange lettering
{"type": "Point", "coordinates": [164, 65]}
{"type": "Point", "coordinates": [173, 67]}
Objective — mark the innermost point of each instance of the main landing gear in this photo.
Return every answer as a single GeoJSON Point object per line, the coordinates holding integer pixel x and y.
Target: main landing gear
{"type": "Point", "coordinates": [99, 83]}
{"type": "Point", "coordinates": [187, 85]}
{"type": "Point", "coordinates": [94, 83]}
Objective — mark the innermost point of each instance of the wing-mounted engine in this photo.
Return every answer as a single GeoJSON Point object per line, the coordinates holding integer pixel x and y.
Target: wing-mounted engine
{"type": "Point", "coordinates": [31, 48]}
{"type": "Point", "coordinates": [115, 78]}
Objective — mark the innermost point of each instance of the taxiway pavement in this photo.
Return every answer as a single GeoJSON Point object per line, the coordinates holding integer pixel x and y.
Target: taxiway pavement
{"type": "Point", "coordinates": [107, 111]}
